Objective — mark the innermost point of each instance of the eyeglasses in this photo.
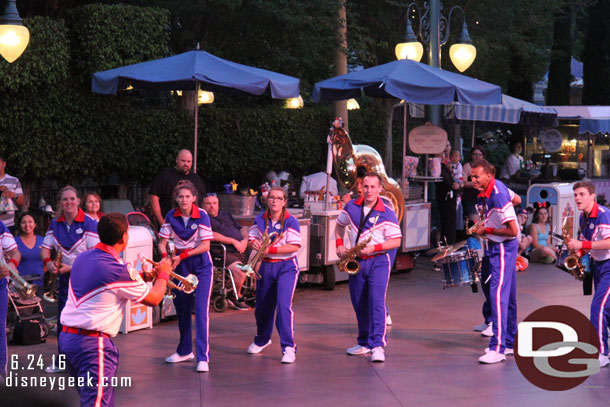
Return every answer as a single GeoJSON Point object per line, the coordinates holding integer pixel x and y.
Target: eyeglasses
{"type": "Point", "coordinates": [275, 198]}
{"type": "Point", "coordinates": [211, 194]}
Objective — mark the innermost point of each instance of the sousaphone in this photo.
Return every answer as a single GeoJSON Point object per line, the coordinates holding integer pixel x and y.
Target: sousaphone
{"type": "Point", "coordinates": [349, 158]}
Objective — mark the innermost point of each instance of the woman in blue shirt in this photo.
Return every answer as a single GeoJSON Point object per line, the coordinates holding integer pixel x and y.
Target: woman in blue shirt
{"type": "Point", "coordinates": [29, 245]}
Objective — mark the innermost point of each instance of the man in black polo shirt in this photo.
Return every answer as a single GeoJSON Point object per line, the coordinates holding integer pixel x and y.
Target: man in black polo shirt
{"type": "Point", "coordinates": [235, 237]}
{"type": "Point", "coordinates": [161, 189]}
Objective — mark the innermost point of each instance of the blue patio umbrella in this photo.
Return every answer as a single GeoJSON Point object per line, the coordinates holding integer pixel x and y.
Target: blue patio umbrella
{"type": "Point", "coordinates": [410, 81]}
{"type": "Point", "coordinates": [195, 70]}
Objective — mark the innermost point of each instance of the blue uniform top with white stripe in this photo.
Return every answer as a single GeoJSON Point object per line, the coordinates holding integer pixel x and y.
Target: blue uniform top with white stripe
{"type": "Point", "coordinates": [386, 228]}
{"type": "Point", "coordinates": [72, 239]}
{"type": "Point", "coordinates": [289, 234]}
{"type": "Point", "coordinates": [7, 241]}
{"type": "Point", "coordinates": [498, 208]}
{"type": "Point", "coordinates": [596, 227]}
{"type": "Point", "coordinates": [187, 231]}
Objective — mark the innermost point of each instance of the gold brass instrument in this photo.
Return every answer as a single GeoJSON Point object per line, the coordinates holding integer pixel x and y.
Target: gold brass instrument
{"type": "Point", "coordinates": [348, 263]}
{"type": "Point", "coordinates": [250, 268]}
{"type": "Point", "coordinates": [51, 296]}
{"type": "Point", "coordinates": [24, 289]}
{"type": "Point", "coordinates": [186, 284]}
{"type": "Point", "coordinates": [478, 223]}
{"type": "Point", "coordinates": [348, 158]}
{"type": "Point", "coordinates": [572, 262]}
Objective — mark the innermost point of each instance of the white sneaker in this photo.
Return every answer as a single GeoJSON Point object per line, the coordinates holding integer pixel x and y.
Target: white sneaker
{"type": "Point", "coordinates": [358, 350]}
{"type": "Point", "coordinates": [507, 351]}
{"type": "Point", "coordinates": [378, 355]}
{"type": "Point", "coordinates": [254, 348]}
{"type": "Point", "coordinates": [175, 358]}
{"type": "Point", "coordinates": [289, 355]}
{"type": "Point", "coordinates": [482, 327]}
{"type": "Point", "coordinates": [203, 367]}
{"type": "Point", "coordinates": [603, 360]}
{"type": "Point", "coordinates": [488, 331]}
{"type": "Point", "coordinates": [53, 369]}
{"type": "Point", "coordinates": [388, 320]}
{"type": "Point", "coordinates": [492, 357]}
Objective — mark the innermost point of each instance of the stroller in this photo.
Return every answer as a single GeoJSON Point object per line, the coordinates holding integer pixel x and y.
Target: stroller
{"type": "Point", "coordinates": [25, 321]}
{"type": "Point", "coordinates": [223, 286]}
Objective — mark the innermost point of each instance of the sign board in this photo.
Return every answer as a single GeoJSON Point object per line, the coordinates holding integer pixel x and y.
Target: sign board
{"type": "Point", "coordinates": [551, 140]}
{"type": "Point", "coordinates": [427, 139]}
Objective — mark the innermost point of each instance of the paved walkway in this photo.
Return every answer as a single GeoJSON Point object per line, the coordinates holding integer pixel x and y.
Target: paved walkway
{"type": "Point", "coordinates": [431, 355]}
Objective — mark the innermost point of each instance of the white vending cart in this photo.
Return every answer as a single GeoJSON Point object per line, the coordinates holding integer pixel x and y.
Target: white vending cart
{"type": "Point", "coordinates": [137, 316]}
{"type": "Point", "coordinates": [560, 197]}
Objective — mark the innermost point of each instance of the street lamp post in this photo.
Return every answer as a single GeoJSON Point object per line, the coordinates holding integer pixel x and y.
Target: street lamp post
{"type": "Point", "coordinates": [433, 30]}
{"type": "Point", "coordinates": [14, 36]}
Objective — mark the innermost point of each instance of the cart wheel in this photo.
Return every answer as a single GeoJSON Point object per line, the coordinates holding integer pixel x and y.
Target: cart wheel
{"type": "Point", "coordinates": [220, 304]}
{"type": "Point", "coordinates": [329, 278]}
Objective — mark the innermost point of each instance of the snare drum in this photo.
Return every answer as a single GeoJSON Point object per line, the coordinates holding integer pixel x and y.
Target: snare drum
{"type": "Point", "coordinates": [460, 268]}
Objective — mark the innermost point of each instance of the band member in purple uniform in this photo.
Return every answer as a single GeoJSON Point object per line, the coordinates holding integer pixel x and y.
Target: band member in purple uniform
{"type": "Point", "coordinates": [595, 238]}
{"type": "Point", "coordinates": [368, 287]}
{"type": "Point", "coordinates": [71, 233]}
{"type": "Point", "coordinates": [100, 286]}
{"type": "Point", "coordinates": [501, 230]}
{"type": "Point", "coordinates": [8, 247]}
{"type": "Point", "coordinates": [279, 274]}
{"type": "Point", "coordinates": [190, 228]}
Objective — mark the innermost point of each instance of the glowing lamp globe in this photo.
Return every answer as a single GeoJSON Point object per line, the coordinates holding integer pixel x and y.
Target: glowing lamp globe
{"type": "Point", "coordinates": [409, 50]}
{"type": "Point", "coordinates": [14, 37]}
{"type": "Point", "coordinates": [205, 98]}
{"type": "Point", "coordinates": [294, 103]}
{"type": "Point", "coordinates": [462, 55]}
{"type": "Point", "coordinates": [352, 104]}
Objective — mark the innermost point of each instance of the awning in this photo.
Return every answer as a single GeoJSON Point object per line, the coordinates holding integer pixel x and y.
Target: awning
{"type": "Point", "coordinates": [593, 119]}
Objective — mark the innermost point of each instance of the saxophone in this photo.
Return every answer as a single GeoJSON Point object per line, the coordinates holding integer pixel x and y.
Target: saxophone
{"type": "Point", "coordinates": [24, 289]}
{"type": "Point", "coordinates": [347, 263]}
{"type": "Point", "coordinates": [572, 263]}
{"type": "Point", "coordinates": [250, 268]}
{"type": "Point", "coordinates": [51, 296]}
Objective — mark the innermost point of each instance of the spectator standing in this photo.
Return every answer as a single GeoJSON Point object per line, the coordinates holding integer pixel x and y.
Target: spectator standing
{"type": "Point", "coordinates": [469, 195]}
{"type": "Point", "coordinates": [91, 204]}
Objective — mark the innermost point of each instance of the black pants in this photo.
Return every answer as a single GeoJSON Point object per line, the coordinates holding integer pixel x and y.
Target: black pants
{"type": "Point", "coordinates": [447, 213]}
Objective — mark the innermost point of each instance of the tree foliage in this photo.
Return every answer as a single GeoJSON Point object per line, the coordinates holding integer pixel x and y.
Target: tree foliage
{"type": "Point", "coordinates": [596, 56]}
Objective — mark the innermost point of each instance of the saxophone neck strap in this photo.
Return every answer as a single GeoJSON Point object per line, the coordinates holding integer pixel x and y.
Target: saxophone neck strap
{"type": "Point", "coordinates": [364, 219]}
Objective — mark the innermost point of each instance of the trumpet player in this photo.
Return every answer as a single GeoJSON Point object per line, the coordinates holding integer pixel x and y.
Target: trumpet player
{"type": "Point", "coordinates": [8, 248]}
{"type": "Point", "coordinates": [189, 226]}
{"type": "Point", "coordinates": [100, 285]}
{"type": "Point", "coordinates": [279, 274]}
{"type": "Point", "coordinates": [500, 228]}
{"type": "Point", "coordinates": [368, 287]}
{"type": "Point", "coordinates": [594, 237]}
{"type": "Point", "coordinates": [72, 233]}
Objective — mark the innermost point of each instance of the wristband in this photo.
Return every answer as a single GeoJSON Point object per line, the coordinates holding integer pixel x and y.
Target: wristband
{"type": "Point", "coordinates": [163, 276]}
{"type": "Point", "coordinates": [273, 250]}
{"type": "Point", "coordinates": [164, 255]}
{"type": "Point", "coordinates": [15, 262]}
{"type": "Point", "coordinates": [378, 247]}
{"type": "Point", "coordinates": [184, 254]}
{"type": "Point", "coordinates": [586, 244]}
{"type": "Point", "coordinates": [46, 260]}
{"type": "Point", "coordinates": [339, 242]}
{"type": "Point", "coordinates": [489, 231]}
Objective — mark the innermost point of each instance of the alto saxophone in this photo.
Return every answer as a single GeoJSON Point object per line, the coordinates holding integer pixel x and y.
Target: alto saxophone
{"type": "Point", "coordinates": [250, 268]}
{"type": "Point", "coordinates": [572, 262]}
{"type": "Point", "coordinates": [348, 263]}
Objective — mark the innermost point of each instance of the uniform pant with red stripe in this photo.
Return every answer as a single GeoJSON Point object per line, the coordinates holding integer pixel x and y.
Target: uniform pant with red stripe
{"type": "Point", "coordinates": [3, 311]}
{"type": "Point", "coordinates": [502, 292]}
{"type": "Point", "coordinates": [91, 357]}
{"type": "Point", "coordinates": [200, 266]}
{"type": "Point", "coordinates": [276, 288]}
{"type": "Point", "coordinates": [368, 291]}
{"type": "Point", "coordinates": [600, 305]}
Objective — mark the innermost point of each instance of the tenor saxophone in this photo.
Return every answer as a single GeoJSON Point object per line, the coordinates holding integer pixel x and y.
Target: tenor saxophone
{"type": "Point", "coordinates": [348, 263]}
{"type": "Point", "coordinates": [572, 262]}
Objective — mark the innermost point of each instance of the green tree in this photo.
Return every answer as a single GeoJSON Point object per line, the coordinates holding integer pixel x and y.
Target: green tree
{"type": "Point", "coordinates": [596, 56]}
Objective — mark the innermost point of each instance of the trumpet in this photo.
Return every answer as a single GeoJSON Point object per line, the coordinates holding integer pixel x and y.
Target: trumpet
{"type": "Point", "coordinates": [51, 296]}
{"type": "Point", "coordinates": [186, 284]}
{"type": "Point", "coordinates": [250, 268]}
{"type": "Point", "coordinates": [347, 263]}
{"type": "Point", "coordinates": [25, 289]}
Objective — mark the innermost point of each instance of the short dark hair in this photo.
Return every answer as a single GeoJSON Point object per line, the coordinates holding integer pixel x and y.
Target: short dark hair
{"type": "Point", "coordinates": [373, 174]}
{"type": "Point", "coordinates": [585, 184]}
{"type": "Point", "coordinates": [487, 167]}
{"type": "Point", "coordinates": [478, 147]}
{"type": "Point", "coordinates": [112, 227]}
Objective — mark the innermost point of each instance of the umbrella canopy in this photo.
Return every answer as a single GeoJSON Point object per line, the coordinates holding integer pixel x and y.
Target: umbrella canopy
{"type": "Point", "coordinates": [183, 71]}
{"type": "Point", "coordinates": [411, 81]}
